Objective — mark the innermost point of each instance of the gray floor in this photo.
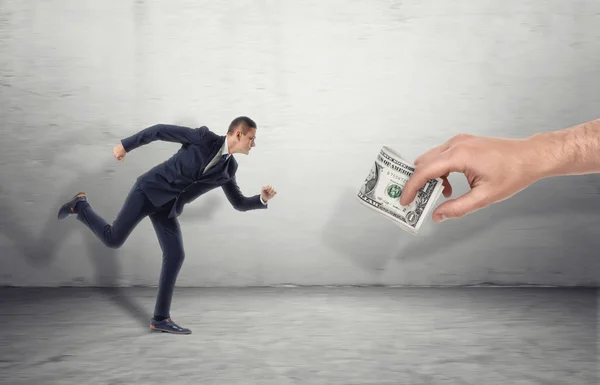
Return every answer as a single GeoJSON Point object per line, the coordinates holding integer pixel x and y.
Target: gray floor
{"type": "Point", "coordinates": [302, 336]}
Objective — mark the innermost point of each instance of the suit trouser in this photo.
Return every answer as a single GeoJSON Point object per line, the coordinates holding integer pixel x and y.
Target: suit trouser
{"type": "Point", "coordinates": [137, 207]}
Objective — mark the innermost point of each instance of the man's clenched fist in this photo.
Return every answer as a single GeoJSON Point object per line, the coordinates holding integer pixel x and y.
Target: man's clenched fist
{"type": "Point", "coordinates": [267, 193]}
{"type": "Point", "coordinates": [119, 152]}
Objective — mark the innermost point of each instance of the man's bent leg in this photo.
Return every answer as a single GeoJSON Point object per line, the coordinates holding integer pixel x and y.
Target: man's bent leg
{"type": "Point", "coordinates": [171, 243]}
{"type": "Point", "coordinates": [135, 208]}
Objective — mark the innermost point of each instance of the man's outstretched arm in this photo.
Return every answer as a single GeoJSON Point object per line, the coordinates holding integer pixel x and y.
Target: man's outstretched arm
{"type": "Point", "coordinates": [498, 168]}
{"type": "Point", "coordinates": [570, 151]}
{"type": "Point", "coordinates": [164, 132]}
{"type": "Point", "coordinates": [241, 202]}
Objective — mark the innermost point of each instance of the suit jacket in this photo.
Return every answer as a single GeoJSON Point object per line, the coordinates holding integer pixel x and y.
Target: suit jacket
{"type": "Point", "coordinates": [180, 179]}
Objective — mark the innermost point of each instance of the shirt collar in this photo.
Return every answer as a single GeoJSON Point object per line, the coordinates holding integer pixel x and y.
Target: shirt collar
{"type": "Point", "coordinates": [225, 148]}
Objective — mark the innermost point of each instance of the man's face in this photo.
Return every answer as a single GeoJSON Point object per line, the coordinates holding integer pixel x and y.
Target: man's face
{"type": "Point", "coordinates": [247, 141]}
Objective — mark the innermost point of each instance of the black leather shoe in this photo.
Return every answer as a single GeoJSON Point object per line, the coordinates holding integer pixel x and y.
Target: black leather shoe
{"type": "Point", "coordinates": [168, 326]}
{"type": "Point", "coordinates": [69, 207]}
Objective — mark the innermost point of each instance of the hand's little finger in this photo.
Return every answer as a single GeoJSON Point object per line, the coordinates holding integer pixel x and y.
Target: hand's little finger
{"type": "Point", "coordinates": [472, 201]}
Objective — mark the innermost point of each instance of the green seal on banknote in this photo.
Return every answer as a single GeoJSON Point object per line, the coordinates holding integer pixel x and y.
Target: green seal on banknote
{"type": "Point", "coordinates": [393, 190]}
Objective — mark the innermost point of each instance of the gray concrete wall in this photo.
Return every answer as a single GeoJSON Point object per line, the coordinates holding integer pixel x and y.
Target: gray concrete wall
{"type": "Point", "coordinates": [329, 83]}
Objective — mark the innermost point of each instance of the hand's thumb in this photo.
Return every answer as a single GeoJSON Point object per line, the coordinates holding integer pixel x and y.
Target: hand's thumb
{"type": "Point", "coordinates": [473, 200]}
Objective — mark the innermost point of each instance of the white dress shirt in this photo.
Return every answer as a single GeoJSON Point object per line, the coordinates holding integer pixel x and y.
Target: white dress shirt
{"type": "Point", "coordinates": [225, 151]}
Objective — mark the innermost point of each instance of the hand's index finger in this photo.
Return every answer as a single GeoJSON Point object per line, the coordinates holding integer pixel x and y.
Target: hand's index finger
{"type": "Point", "coordinates": [423, 173]}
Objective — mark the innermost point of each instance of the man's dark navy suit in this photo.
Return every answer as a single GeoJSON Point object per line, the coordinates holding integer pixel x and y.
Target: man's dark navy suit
{"type": "Point", "coordinates": [162, 192]}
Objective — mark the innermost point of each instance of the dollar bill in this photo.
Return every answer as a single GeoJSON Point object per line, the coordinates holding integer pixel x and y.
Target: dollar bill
{"type": "Point", "coordinates": [382, 188]}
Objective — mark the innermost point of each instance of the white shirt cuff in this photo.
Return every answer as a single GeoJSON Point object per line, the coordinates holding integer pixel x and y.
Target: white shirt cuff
{"type": "Point", "coordinates": [261, 200]}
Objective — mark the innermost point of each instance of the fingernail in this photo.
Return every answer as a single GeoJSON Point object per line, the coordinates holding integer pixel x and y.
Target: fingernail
{"type": "Point", "coordinates": [440, 218]}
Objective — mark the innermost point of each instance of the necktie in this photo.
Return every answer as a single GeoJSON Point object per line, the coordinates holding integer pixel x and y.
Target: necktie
{"type": "Point", "coordinates": [222, 160]}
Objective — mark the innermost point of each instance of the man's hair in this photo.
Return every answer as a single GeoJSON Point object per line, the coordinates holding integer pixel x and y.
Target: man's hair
{"type": "Point", "coordinates": [244, 122]}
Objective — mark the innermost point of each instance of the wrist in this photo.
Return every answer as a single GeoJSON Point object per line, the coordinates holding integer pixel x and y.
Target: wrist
{"type": "Point", "coordinates": [570, 151]}
{"type": "Point", "coordinates": [545, 153]}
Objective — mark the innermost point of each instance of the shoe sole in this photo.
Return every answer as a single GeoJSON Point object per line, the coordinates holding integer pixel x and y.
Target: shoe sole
{"type": "Point", "coordinates": [157, 330]}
